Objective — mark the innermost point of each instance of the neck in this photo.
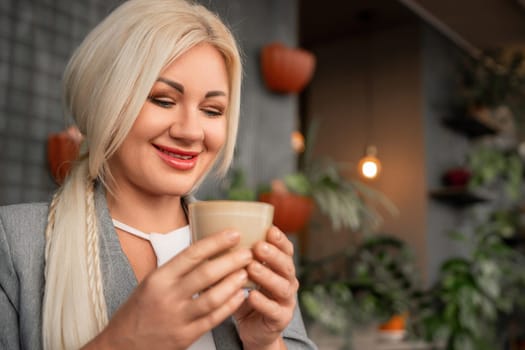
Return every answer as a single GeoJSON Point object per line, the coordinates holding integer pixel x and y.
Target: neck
{"type": "Point", "coordinates": [148, 213]}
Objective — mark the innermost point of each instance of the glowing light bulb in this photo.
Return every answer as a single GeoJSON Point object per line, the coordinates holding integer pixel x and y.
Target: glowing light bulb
{"type": "Point", "coordinates": [369, 169]}
{"type": "Point", "coordinates": [369, 166]}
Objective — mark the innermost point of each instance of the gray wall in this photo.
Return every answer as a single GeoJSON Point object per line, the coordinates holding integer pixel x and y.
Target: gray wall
{"type": "Point", "coordinates": [444, 148]}
{"type": "Point", "coordinates": [36, 39]}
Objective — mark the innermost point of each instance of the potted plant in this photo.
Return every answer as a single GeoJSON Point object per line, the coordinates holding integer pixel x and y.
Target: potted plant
{"type": "Point", "coordinates": [489, 165]}
{"type": "Point", "coordinates": [363, 287]}
{"type": "Point", "coordinates": [286, 69]}
{"type": "Point", "coordinates": [292, 210]}
{"type": "Point", "coordinates": [62, 150]}
{"type": "Point", "coordinates": [493, 86]}
{"type": "Point", "coordinates": [347, 202]}
{"type": "Point", "coordinates": [473, 294]}
{"type": "Point", "coordinates": [488, 170]}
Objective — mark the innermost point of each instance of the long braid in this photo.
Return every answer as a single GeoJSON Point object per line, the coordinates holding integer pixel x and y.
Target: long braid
{"type": "Point", "coordinates": [68, 316]}
{"type": "Point", "coordinates": [50, 224]}
{"type": "Point", "coordinates": [93, 260]}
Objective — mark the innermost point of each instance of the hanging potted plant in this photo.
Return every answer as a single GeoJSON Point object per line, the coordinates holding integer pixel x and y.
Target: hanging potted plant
{"type": "Point", "coordinates": [62, 150]}
{"type": "Point", "coordinates": [292, 210]}
{"type": "Point", "coordinates": [285, 69]}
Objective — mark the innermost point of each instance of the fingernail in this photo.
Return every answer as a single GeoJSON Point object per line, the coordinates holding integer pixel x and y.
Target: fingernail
{"type": "Point", "coordinates": [256, 267]}
{"type": "Point", "coordinates": [239, 296]}
{"type": "Point", "coordinates": [243, 276]}
{"type": "Point", "coordinates": [278, 235]}
{"type": "Point", "coordinates": [265, 248]}
{"type": "Point", "coordinates": [247, 255]}
{"type": "Point", "coordinates": [233, 235]}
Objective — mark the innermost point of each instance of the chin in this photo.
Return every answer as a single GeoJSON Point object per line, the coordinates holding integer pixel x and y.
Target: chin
{"type": "Point", "coordinates": [177, 189]}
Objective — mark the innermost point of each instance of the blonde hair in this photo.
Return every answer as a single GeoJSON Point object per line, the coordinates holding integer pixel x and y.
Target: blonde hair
{"type": "Point", "coordinates": [105, 85]}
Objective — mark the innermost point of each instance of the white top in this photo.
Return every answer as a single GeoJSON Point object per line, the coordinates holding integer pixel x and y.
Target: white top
{"type": "Point", "coordinates": [166, 246]}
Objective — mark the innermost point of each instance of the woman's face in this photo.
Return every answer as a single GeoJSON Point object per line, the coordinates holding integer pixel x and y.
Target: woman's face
{"type": "Point", "coordinates": [180, 129]}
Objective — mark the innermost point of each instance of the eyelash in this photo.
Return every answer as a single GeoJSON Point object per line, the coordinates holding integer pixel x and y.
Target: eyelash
{"type": "Point", "coordinates": [213, 113]}
{"type": "Point", "coordinates": [161, 103]}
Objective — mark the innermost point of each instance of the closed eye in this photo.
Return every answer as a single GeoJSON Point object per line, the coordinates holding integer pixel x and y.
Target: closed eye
{"type": "Point", "coordinates": [162, 101]}
{"type": "Point", "coordinates": [212, 112]}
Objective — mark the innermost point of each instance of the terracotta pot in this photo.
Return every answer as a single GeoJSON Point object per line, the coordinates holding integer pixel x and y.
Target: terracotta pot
{"type": "Point", "coordinates": [286, 70]}
{"type": "Point", "coordinates": [62, 150]}
{"type": "Point", "coordinates": [292, 211]}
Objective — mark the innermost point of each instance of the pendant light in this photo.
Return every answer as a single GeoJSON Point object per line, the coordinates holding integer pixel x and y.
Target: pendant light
{"type": "Point", "coordinates": [369, 165]}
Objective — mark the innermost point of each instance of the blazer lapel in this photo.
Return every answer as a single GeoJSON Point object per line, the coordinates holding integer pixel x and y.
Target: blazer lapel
{"type": "Point", "coordinates": [117, 274]}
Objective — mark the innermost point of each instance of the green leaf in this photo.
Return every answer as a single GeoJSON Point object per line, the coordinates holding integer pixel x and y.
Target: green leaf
{"type": "Point", "coordinates": [298, 183]}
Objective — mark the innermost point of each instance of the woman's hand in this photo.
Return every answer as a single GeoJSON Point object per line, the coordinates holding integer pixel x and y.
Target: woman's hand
{"type": "Point", "coordinates": [268, 310]}
{"type": "Point", "coordinates": [163, 312]}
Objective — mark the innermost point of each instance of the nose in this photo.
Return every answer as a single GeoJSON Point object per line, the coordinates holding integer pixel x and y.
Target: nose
{"type": "Point", "coordinates": [187, 126]}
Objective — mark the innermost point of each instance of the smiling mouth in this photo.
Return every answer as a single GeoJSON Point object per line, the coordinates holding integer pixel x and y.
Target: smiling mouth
{"type": "Point", "coordinates": [175, 155]}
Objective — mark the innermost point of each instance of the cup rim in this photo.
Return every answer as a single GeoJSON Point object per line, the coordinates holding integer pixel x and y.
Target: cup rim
{"type": "Point", "coordinates": [229, 203]}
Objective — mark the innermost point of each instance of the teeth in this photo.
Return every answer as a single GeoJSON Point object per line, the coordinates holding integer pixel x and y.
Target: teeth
{"type": "Point", "coordinates": [177, 155]}
{"type": "Point", "coordinates": [183, 157]}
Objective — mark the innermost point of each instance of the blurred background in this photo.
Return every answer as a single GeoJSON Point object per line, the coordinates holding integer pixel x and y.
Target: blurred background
{"type": "Point", "coordinates": [433, 89]}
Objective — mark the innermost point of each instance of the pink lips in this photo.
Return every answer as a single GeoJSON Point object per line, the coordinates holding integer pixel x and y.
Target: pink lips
{"type": "Point", "coordinates": [177, 159]}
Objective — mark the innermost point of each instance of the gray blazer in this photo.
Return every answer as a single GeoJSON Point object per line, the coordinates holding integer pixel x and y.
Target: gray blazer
{"type": "Point", "coordinates": [22, 229]}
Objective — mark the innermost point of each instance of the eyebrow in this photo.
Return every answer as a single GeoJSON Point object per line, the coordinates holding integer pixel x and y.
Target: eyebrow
{"type": "Point", "coordinates": [215, 93]}
{"type": "Point", "coordinates": [173, 84]}
{"type": "Point", "coordinates": [180, 88]}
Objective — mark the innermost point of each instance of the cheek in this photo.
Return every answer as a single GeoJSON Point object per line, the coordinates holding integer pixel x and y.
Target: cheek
{"type": "Point", "coordinates": [216, 136]}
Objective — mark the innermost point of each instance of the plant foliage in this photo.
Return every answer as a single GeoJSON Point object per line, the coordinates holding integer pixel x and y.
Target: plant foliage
{"type": "Point", "coordinates": [374, 281]}
{"type": "Point", "coordinates": [464, 306]}
{"type": "Point", "coordinates": [348, 202]}
{"type": "Point", "coordinates": [496, 78]}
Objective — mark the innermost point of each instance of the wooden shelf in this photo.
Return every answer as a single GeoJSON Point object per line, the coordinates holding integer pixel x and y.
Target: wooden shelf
{"type": "Point", "coordinates": [458, 196]}
{"type": "Point", "coordinates": [469, 126]}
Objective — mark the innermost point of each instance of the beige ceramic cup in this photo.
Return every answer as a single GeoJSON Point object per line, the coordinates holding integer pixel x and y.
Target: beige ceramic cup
{"type": "Point", "coordinates": [251, 219]}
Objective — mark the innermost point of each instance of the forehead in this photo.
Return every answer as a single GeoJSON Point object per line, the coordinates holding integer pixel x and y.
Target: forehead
{"type": "Point", "coordinates": [202, 65]}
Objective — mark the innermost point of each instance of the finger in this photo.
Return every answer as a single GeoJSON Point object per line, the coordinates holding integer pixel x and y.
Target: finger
{"type": "Point", "coordinates": [212, 271]}
{"type": "Point", "coordinates": [216, 296]}
{"type": "Point", "coordinates": [279, 239]}
{"type": "Point", "coordinates": [278, 287]}
{"type": "Point", "coordinates": [273, 312]}
{"type": "Point", "coordinates": [275, 259]}
{"type": "Point", "coordinates": [214, 318]}
{"type": "Point", "coordinates": [200, 251]}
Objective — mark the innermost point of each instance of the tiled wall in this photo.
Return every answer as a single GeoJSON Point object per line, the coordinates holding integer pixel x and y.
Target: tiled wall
{"type": "Point", "coordinates": [38, 36]}
{"type": "Point", "coordinates": [36, 40]}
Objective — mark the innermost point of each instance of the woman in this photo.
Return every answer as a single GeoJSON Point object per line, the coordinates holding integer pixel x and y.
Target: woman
{"type": "Point", "coordinates": [154, 89]}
